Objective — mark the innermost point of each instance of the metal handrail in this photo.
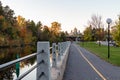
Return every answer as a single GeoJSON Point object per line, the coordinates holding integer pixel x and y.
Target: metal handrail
{"type": "Point", "coordinates": [27, 72]}
{"type": "Point", "coordinates": [17, 60]}
{"type": "Point", "coordinates": [50, 48]}
{"type": "Point", "coordinates": [5, 65]}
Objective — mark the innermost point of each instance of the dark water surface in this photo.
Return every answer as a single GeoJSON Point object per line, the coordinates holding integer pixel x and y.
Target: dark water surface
{"type": "Point", "coordinates": [12, 72]}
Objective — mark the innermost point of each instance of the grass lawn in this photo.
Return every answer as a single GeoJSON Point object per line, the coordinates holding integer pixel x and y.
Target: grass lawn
{"type": "Point", "coordinates": [102, 52]}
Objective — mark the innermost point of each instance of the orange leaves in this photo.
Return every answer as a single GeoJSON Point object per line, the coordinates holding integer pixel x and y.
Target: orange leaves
{"type": "Point", "coordinates": [1, 17]}
{"type": "Point", "coordinates": [21, 21]}
{"type": "Point", "coordinates": [23, 33]}
{"type": "Point", "coordinates": [55, 27]}
{"type": "Point", "coordinates": [21, 26]}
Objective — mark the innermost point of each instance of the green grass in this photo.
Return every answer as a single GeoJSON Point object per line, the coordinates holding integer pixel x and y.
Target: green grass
{"type": "Point", "coordinates": [102, 52]}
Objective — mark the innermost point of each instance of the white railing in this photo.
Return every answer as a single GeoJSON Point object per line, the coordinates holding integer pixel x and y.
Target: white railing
{"type": "Point", "coordinates": [44, 70]}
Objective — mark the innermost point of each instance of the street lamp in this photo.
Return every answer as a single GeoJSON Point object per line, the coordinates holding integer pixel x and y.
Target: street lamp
{"type": "Point", "coordinates": [93, 33]}
{"type": "Point", "coordinates": [108, 22]}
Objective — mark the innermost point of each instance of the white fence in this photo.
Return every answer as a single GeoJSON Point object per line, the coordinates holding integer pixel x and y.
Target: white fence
{"type": "Point", "coordinates": [59, 58]}
{"type": "Point", "coordinates": [44, 70]}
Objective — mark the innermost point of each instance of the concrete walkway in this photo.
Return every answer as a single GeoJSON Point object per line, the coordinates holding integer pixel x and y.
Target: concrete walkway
{"type": "Point", "coordinates": [82, 65]}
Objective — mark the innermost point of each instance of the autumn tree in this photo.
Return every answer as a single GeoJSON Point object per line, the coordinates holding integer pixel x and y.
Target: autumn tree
{"type": "Point", "coordinates": [116, 31]}
{"type": "Point", "coordinates": [45, 35]}
{"type": "Point", "coordinates": [8, 14]}
{"type": "Point", "coordinates": [39, 30]}
{"type": "Point", "coordinates": [26, 31]}
{"type": "Point", "coordinates": [1, 22]}
{"type": "Point", "coordinates": [62, 36]}
{"type": "Point", "coordinates": [55, 30]}
{"type": "Point", "coordinates": [1, 8]}
{"type": "Point", "coordinates": [88, 33]}
{"type": "Point", "coordinates": [8, 30]}
{"type": "Point", "coordinates": [66, 33]}
{"type": "Point", "coordinates": [21, 26]}
{"type": "Point", "coordinates": [96, 22]}
{"type": "Point", "coordinates": [22, 29]}
{"type": "Point", "coordinates": [1, 16]}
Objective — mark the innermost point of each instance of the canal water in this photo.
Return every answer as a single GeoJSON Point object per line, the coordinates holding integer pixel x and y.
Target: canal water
{"type": "Point", "coordinates": [12, 72]}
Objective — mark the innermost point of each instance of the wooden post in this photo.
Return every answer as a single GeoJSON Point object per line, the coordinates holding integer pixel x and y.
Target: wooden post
{"type": "Point", "coordinates": [43, 61]}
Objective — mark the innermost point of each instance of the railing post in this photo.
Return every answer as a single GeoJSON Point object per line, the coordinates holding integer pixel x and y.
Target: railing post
{"type": "Point", "coordinates": [64, 46]}
{"type": "Point", "coordinates": [54, 59]}
{"type": "Point", "coordinates": [61, 48]}
{"type": "Point", "coordinates": [43, 61]}
{"type": "Point", "coordinates": [59, 51]}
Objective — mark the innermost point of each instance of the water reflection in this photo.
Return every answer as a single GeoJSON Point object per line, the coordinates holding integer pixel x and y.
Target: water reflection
{"type": "Point", "coordinates": [10, 54]}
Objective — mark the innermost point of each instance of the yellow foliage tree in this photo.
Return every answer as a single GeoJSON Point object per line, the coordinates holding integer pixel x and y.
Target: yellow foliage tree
{"type": "Point", "coordinates": [21, 26]}
{"type": "Point", "coordinates": [55, 28]}
{"type": "Point", "coordinates": [55, 31]}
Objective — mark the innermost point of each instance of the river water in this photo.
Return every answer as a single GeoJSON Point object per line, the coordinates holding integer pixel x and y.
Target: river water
{"type": "Point", "coordinates": [12, 72]}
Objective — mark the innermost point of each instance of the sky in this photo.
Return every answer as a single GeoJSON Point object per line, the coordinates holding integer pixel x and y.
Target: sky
{"type": "Point", "coordinates": [70, 13]}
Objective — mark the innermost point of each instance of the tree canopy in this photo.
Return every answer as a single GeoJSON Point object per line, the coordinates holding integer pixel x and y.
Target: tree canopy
{"type": "Point", "coordinates": [116, 31]}
{"type": "Point", "coordinates": [18, 30]}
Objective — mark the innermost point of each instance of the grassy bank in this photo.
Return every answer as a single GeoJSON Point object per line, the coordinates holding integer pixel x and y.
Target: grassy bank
{"type": "Point", "coordinates": [102, 52]}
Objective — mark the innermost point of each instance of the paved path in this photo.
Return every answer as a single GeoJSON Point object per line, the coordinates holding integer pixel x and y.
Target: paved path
{"type": "Point", "coordinates": [82, 65]}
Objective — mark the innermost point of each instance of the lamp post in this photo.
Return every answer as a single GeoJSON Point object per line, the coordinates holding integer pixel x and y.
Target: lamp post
{"type": "Point", "coordinates": [108, 22]}
{"type": "Point", "coordinates": [93, 33]}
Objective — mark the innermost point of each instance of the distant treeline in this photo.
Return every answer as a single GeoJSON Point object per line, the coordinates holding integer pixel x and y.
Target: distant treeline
{"type": "Point", "coordinates": [17, 31]}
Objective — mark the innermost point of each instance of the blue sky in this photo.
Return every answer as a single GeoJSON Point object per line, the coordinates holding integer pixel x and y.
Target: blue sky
{"type": "Point", "coordinates": [70, 13]}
